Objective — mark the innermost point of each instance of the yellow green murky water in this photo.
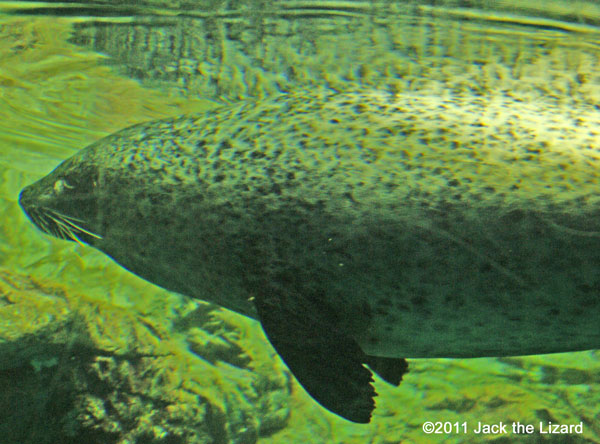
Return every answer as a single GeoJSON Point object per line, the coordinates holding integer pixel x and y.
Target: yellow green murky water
{"type": "Point", "coordinates": [69, 79]}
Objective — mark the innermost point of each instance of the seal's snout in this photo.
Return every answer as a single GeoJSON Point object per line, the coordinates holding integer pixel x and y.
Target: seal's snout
{"type": "Point", "coordinates": [29, 200]}
{"type": "Point", "coordinates": [35, 196]}
{"type": "Point", "coordinates": [26, 199]}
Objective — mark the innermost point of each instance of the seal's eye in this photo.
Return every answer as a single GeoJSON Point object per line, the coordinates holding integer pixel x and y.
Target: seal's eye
{"type": "Point", "coordinates": [60, 185]}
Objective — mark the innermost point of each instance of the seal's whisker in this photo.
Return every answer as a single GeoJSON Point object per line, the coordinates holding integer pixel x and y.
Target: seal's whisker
{"type": "Point", "coordinates": [65, 231]}
{"type": "Point", "coordinates": [51, 228]}
{"type": "Point", "coordinates": [60, 232]}
{"type": "Point", "coordinates": [45, 224]}
{"type": "Point", "coordinates": [59, 223]}
{"type": "Point", "coordinates": [83, 230]}
{"type": "Point", "coordinates": [66, 220]}
{"type": "Point", "coordinates": [64, 216]}
{"type": "Point", "coordinates": [39, 221]}
{"type": "Point", "coordinates": [68, 231]}
{"type": "Point", "coordinates": [59, 228]}
{"type": "Point", "coordinates": [75, 238]}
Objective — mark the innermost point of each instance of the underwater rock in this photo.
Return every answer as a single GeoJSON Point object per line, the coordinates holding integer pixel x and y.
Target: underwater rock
{"type": "Point", "coordinates": [83, 371]}
{"type": "Point", "coordinates": [33, 323]}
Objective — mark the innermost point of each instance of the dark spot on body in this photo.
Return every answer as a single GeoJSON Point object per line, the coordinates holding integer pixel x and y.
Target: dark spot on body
{"type": "Point", "coordinates": [418, 301]}
{"type": "Point", "coordinates": [257, 154]}
{"type": "Point", "coordinates": [219, 178]}
{"type": "Point", "coordinates": [158, 198]}
{"type": "Point", "coordinates": [486, 267]}
{"type": "Point", "coordinates": [515, 216]}
{"type": "Point", "coordinates": [366, 310]}
{"type": "Point", "coordinates": [419, 304]}
{"type": "Point", "coordinates": [590, 300]}
{"type": "Point", "coordinates": [438, 326]}
{"type": "Point", "coordinates": [349, 196]}
{"type": "Point", "coordinates": [587, 288]}
{"type": "Point", "coordinates": [402, 306]}
{"type": "Point", "coordinates": [454, 301]}
{"type": "Point", "coordinates": [385, 303]}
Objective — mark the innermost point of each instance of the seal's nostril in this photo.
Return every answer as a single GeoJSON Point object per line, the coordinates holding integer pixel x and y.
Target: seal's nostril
{"type": "Point", "coordinates": [23, 197]}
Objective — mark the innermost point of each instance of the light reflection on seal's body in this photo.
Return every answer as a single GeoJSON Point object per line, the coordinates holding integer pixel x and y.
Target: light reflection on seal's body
{"type": "Point", "coordinates": [359, 228]}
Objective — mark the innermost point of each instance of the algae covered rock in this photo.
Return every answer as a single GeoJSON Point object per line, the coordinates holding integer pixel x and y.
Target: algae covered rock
{"type": "Point", "coordinates": [83, 371]}
{"type": "Point", "coordinates": [33, 324]}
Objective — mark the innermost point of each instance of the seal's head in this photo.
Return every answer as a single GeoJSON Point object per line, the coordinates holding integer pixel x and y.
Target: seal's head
{"type": "Point", "coordinates": [64, 203]}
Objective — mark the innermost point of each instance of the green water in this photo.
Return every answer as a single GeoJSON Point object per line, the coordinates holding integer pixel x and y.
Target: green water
{"type": "Point", "coordinates": [93, 354]}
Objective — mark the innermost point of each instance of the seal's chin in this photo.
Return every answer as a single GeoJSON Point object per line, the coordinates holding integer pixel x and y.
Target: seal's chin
{"type": "Point", "coordinates": [54, 222]}
{"type": "Point", "coordinates": [41, 220]}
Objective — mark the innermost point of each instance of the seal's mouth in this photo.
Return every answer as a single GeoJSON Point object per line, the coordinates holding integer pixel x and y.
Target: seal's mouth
{"type": "Point", "coordinates": [53, 222]}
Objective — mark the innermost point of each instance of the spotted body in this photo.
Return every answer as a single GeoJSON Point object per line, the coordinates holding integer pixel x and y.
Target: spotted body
{"type": "Point", "coordinates": [389, 225]}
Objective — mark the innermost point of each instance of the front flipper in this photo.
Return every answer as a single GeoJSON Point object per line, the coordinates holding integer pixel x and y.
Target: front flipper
{"type": "Point", "coordinates": [327, 363]}
{"type": "Point", "coordinates": [390, 370]}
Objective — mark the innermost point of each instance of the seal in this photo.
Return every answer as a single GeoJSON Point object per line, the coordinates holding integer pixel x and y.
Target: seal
{"type": "Point", "coordinates": [359, 228]}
